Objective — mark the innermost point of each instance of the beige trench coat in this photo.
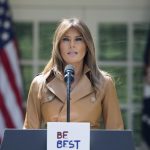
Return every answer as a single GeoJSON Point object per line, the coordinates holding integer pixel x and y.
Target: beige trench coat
{"type": "Point", "coordinates": [86, 104]}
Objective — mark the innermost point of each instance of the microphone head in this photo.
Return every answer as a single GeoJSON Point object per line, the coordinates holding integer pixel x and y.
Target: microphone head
{"type": "Point", "coordinates": [69, 73]}
{"type": "Point", "coordinates": [69, 68]}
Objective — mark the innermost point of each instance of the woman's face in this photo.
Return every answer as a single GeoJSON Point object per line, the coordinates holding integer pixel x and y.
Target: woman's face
{"type": "Point", "coordinates": [72, 47]}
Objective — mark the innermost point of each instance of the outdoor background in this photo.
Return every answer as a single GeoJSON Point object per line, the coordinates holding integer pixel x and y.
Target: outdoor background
{"type": "Point", "coordinates": [119, 29]}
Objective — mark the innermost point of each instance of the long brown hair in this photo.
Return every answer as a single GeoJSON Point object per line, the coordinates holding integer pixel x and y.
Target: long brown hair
{"type": "Point", "coordinates": [56, 60]}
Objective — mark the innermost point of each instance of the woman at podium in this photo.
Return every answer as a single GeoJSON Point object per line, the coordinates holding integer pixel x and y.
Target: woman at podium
{"type": "Point", "coordinates": [92, 93]}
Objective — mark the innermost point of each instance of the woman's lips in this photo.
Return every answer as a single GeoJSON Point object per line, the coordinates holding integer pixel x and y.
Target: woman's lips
{"type": "Point", "coordinates": [72, 53]}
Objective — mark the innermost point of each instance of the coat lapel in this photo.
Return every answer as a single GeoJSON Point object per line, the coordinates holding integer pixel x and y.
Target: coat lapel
{"type": "Point", "coordinates": [82, 89]}
{"type": "Point", "coordinates": [58, 88]}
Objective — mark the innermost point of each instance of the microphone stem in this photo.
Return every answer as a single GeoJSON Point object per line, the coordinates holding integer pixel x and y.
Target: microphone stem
{"type": "Point", "coordinates": [68, 100]}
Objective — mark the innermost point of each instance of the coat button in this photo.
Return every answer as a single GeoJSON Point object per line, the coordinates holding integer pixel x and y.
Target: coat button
{"type": "Point", "coordinates": [50, 97]}
{"type": "Point", "coordinates": [93, 99]}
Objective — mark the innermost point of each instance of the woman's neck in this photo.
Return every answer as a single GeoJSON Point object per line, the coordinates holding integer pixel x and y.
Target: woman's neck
{"type": "Point", "coordinates": [78, 69]}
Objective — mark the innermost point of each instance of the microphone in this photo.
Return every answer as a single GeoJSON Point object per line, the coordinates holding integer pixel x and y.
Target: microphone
{"type": "Point", "coordinates": [69, 74]}
{"type": "Point", "coordinates": [68, 78]}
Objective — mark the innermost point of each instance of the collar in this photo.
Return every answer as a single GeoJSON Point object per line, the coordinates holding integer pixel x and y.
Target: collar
{"type": "Point", "coordinates": [51, 74]}
{"type": "Point", "coordinates": [57, 86]}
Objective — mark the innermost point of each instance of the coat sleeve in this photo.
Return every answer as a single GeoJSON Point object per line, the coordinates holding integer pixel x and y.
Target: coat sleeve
{"type": "Point", "coordinates": [110, 106]}
{"type": "Point", "coordinates": [33, 112]}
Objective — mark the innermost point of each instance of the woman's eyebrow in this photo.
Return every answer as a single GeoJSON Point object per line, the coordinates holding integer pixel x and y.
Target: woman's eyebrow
{"type": "Point", "coordinates": [70, 36]}
{"type": "Point", "coordinates": [79, 36]}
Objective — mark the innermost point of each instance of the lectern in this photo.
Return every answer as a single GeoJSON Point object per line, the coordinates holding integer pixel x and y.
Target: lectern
{"type": "Point", "coordinates": [37, 140]}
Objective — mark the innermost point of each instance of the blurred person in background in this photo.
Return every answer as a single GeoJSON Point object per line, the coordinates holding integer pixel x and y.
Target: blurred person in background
{"type": "Point", "coordinates": [93, 93]}
{"type": "Point", "coordinates": [146, 101]}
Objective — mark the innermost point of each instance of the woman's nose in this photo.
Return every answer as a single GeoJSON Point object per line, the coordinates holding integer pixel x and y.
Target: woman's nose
{"type": "Point", "coordinates": [72, 43]}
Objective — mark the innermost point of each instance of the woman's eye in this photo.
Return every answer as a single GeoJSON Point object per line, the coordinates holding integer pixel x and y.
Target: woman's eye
{"type": "Point", "coordinates": [65, 39]}
{"type": "Point", "coordinates": [79, 39]}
